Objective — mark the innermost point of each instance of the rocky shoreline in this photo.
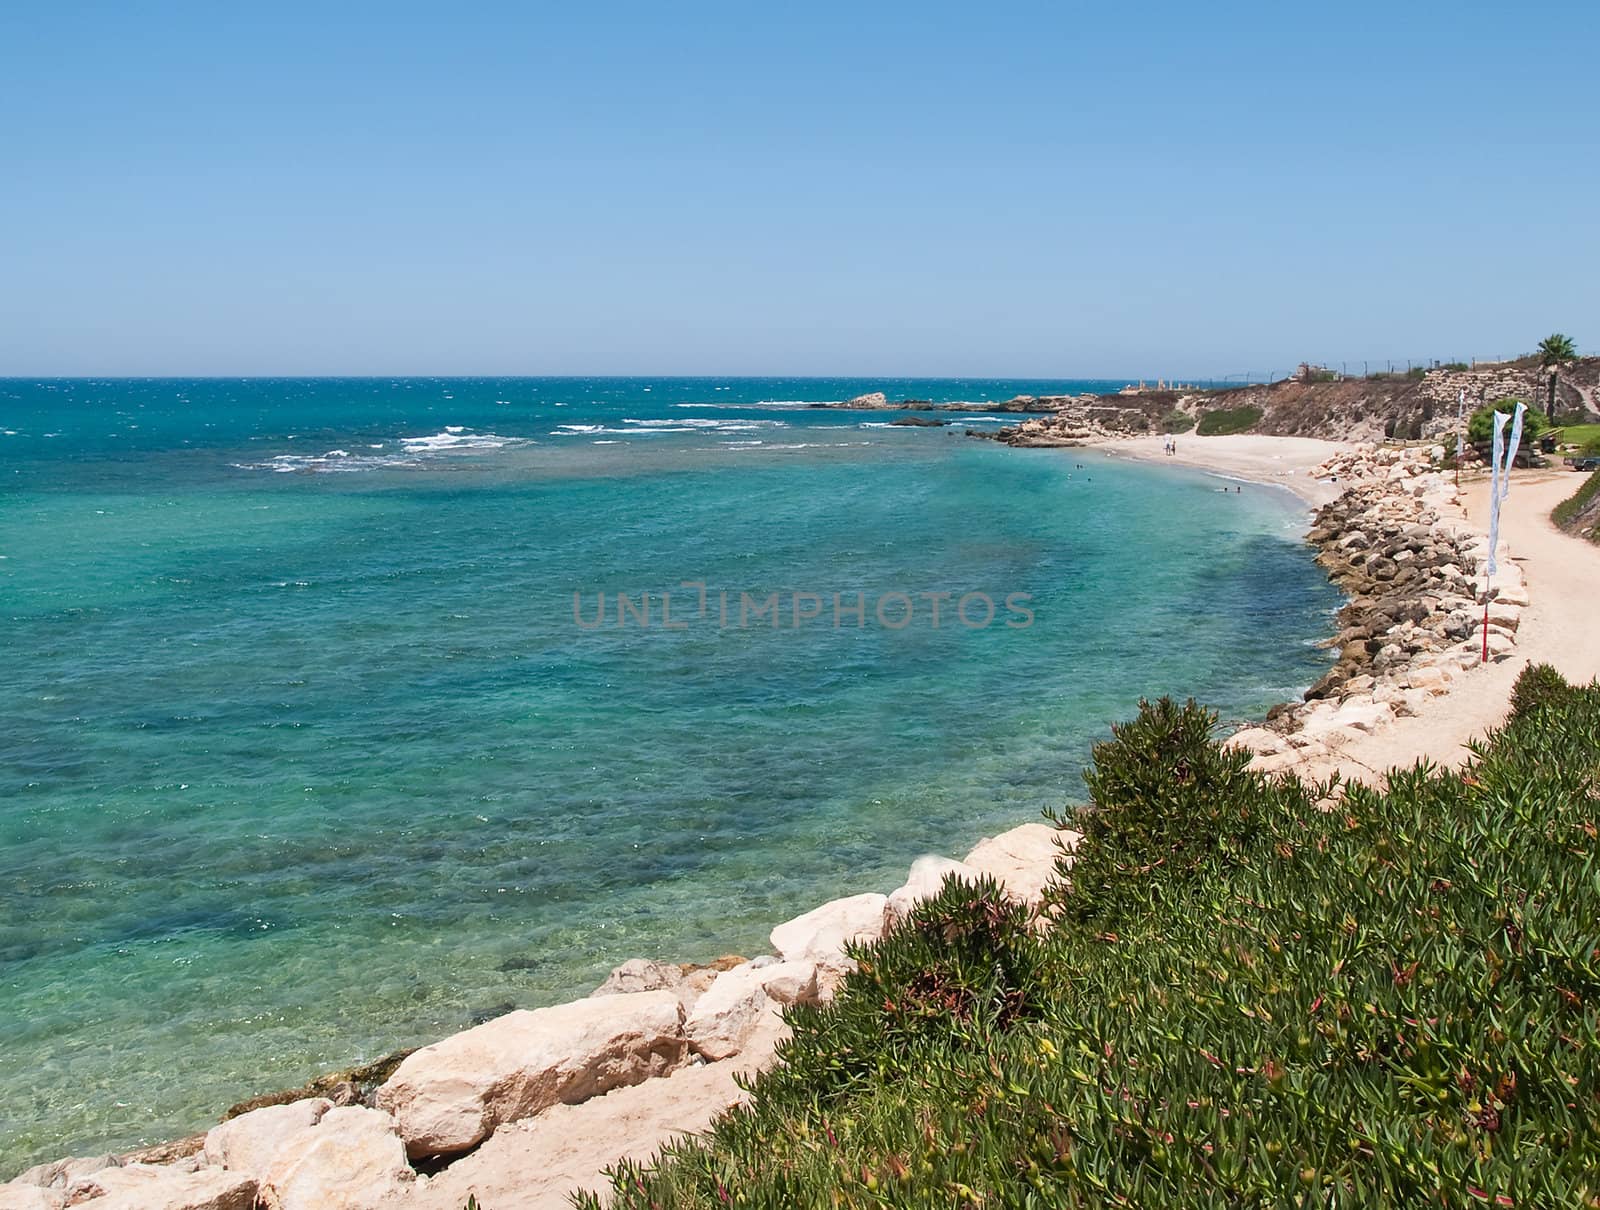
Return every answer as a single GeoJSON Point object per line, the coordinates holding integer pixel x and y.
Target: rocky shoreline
{"type": "Point", "coordinates": [377, 1136]}
{"type": "Point", "coordinates": [1397, 540]}
{"type": "Point", "coordinates": [1399, 543]}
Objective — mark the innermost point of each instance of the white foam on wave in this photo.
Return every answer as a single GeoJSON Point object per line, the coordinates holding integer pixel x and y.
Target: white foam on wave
{"type": "Point", "coordinates": [454, 441]}
{"type": "Point", "coordinates": [455, 438]}
{"type": "Point", "coordinates": [763, 403]}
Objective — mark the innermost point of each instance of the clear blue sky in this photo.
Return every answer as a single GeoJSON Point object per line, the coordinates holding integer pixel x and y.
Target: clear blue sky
{"type": "Point", "coordinates": [1023, 189]}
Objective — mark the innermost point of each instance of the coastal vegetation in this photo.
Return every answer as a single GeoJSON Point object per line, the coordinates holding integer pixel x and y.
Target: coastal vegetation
{"type": "Point", "coordinates": [1177, 421]}
{"type": "Point", "coordinates": [1255, 991]}
{"type": "Point", "coordinates": [1580, 513]}
{"type": "Point", "coordinates": [1219, 422]}
{"type": "Point", "coordinates": [1480, 426]}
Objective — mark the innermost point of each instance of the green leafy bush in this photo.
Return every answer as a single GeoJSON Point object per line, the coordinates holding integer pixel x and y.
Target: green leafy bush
{"type": "Point", "coordinates": [1394, 1002]}
{"type": "Point", "coordinates": [1177, 421]}
{"type": "Point", "coordinates": [1480, 427]}
{"type": "Point", "coordinates": [1538, 687]}
{"type": "Point", "coordinates": [1220, 422]}
{"type": "Point", "coordinates": [1166, 800]}
{"type": "Point", "coordinates": [1567, 514]}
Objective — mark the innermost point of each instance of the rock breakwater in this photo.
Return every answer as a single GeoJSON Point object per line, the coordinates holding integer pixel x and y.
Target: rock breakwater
{"type": "Point", "coordinates": [1399, 543]}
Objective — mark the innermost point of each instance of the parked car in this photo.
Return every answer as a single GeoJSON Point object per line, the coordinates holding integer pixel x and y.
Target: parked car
{"type": "Point", "coordinates": [1584, 462]}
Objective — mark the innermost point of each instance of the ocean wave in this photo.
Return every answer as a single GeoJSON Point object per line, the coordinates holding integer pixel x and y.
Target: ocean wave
{"type": "Point", "coordinates": [763, 403]}
{"type": "Point", "coordinates": [452, 441]}
{"type": "Point", "coordinates": [649, 428]}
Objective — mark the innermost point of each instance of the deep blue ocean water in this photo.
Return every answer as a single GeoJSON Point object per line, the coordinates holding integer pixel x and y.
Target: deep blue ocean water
{"type": "Point", "coordinates": [309, 748]}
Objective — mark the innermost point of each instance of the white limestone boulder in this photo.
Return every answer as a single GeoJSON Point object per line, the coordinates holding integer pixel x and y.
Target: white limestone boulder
{"type": "Point", "coordinates": [158, 1187]}
{"type": "Point", "coordinates": [822, 933]}
{"type": "Point", "coordinates": [450, 1096]}
{"type": "Point", "coordinates": [249, 1142]}
{"type": "Point", "coordinates": [1361, 714]}
{"type": "Point", "coordinates": [640, 975]}
{"type": "Point", "coordinates": [58, 1174]}
{"type": "Point", "coordinates": [17, 1196]}
{"type": "Point", "coordinates": [731, 1010]}
{"type": "Point", "coordinates": [1023, 860]}
{"type": "Point", "coordinates": [925, 880]}
{"type": "Point", "coordinates": [1256, 739]}
{"type": "Point", "coordinates": [352, 1159]}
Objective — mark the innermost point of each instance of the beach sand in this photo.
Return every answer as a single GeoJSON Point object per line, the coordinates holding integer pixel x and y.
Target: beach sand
{"type": "Point", "coordinates": [1283, 461]}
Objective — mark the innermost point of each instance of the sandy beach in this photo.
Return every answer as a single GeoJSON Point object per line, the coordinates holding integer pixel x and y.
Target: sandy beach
{"type": "Point", "coordinates": [1282, 461]}
{"type": "Point", "coordinates": [1562, 573]}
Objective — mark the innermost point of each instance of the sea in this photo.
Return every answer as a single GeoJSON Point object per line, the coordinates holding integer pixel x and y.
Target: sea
{"type": "Point", "coordinates": [339, 714]}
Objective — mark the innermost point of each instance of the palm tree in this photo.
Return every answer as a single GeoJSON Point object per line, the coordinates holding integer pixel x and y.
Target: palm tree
{"type": "Point", "coordinates": [1555, 351]}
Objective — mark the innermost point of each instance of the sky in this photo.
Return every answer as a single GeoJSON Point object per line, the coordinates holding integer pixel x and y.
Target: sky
{"type": "Point", "coordinates": [1021, 190]}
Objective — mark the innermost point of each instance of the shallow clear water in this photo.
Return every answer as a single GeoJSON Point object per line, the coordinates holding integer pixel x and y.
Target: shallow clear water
{"type": "Point", "coordinates": [304, 756]}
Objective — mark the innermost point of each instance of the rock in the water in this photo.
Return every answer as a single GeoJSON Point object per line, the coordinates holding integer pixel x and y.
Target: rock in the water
{"type": "Point", "coordinates": [640, 975]}
{"type": "Point", "coordinates": [155, 1187]}
{"type": "Point", "coordinates": [822, 933]}
{"type": "Point", "coordinates": [925, 880]}
{"type": "Point", "coordinates": [873, 399]}
{"type": "Point", "coordinates": [450, 1096]}
{"type": "Point", "coordinates": [351, 1160]}
{"type": "Point", "coordinates": [249, 1142]}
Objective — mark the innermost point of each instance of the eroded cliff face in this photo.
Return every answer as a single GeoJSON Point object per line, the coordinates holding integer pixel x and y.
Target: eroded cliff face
{"type": "Point", "coordinates": [1346, 409]}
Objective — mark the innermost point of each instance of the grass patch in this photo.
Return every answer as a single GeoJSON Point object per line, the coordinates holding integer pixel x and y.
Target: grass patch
{"type": "Point", "coordinates": [1246, 1000]}
{"type": "Point", "coordinates": [1582, 435]}
{"type": "Point", "coordinates": [1222, 421]}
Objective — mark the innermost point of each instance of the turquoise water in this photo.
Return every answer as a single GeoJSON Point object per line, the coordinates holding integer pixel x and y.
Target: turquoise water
{"type": "Point", "coordinates": [304, 756]}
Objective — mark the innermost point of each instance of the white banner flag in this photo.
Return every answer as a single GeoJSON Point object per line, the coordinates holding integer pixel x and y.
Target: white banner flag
{"type": "Point", "coordinates": [1501, 458]}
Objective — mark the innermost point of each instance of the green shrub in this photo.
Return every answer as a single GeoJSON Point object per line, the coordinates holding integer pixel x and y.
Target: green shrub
{"type": "Point", "coordinates": [1566, 514]}
{"type": "Point", "coordinates": [1222, 421]}
{"type": "Point", "coordinates": [1166, 799]}
{"type": "Point", "coordinates": [1177, 421]}
{"type": "Point", "coordinates": [1417, 372]}
{"type": "Point", "coordinates": [1455, 365]}
{"type": "Point", "coordinates": [1480, 427]}
{"type": "Point", "coordinates": [1391, 1003]}
{"type": "Point", "coordinates": [1538, 687]}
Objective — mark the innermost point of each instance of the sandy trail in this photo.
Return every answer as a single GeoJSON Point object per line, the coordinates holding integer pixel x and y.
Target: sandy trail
{"type": "Point", "coordinates": [1557, 628]}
